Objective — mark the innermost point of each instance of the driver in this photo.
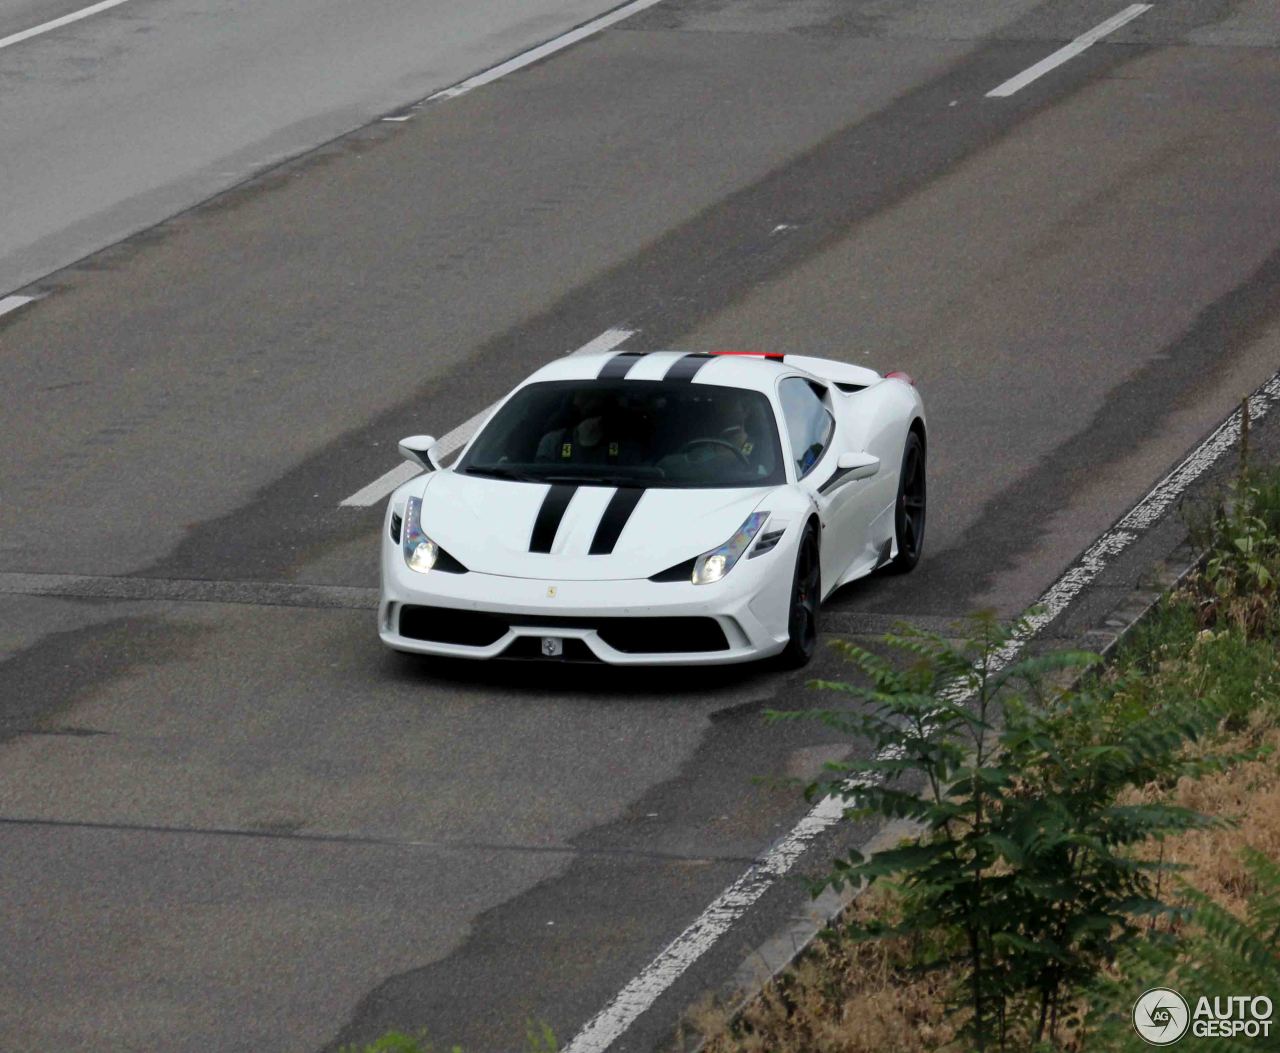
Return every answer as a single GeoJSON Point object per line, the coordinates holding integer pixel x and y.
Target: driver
{"type": "Point", "coordinates": [724, 444]}
{"type": "Point", "coordinates": [734, 431]}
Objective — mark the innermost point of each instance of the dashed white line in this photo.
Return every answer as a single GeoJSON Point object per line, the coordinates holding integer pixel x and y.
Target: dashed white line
{"type": "Point", "coordinates": [58, 23]}
{"type": "Point", "coordinates": [540, 52]}
{"type": "Point", "coordinates": [12, 303]}
{"type": "Point", "coordinates": [603, 1029]}
{"type": "Point", "coordinates": [458, 437]}
{"type": "Point", "coordinates": [1070, 51]}
{"type": "Point", "coordinates": [375, 491]}
{"type": "Point", "coordinates": [606, 341]}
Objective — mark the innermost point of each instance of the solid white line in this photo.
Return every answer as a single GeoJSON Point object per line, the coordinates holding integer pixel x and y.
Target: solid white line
{"type": "Point", "coordinates": [12, 303]}
{"type": "Point", "coordinates": [603, 1029]}
{"type": "Point", "coordinates": [543, 50]}
{"type": "Point", "coordinates": [58, 23]}
{"type": "Point", "coordinates": [1070, 51]}
{"type": "Point", "coordinates": [1145, 513]}
{"type": "Point", "coordinates": [459, 436]}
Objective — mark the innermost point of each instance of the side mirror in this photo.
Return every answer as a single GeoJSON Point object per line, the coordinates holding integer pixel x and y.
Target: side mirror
{"type": "Point", "coordinates": [422, 450]}
{"type": "Point", "coordinates": [858, 465]}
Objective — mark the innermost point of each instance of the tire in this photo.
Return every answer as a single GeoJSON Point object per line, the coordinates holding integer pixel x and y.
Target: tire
{"type": "Point", "coordinates": [806, 596]}
{"type": "Point", "coordinates": [909, 511]}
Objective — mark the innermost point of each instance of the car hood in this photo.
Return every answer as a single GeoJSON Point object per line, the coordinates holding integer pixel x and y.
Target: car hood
{"type": "Point", "coordinates": [487, 524]}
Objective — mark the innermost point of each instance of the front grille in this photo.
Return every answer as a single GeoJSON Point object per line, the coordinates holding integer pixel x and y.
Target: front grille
{"type": "Point", "coordinates": [628, 635]}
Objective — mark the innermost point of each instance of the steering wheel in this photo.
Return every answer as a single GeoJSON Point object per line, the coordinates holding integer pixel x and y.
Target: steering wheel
{"type": "Point", "coordinates": [716, 442]}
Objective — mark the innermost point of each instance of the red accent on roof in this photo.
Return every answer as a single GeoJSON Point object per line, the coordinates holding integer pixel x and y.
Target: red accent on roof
{"type": "Point", "coordinates": [772, 355]}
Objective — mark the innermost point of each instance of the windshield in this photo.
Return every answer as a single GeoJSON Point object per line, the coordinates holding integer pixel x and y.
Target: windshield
{"type": "Point", "coordinates": [631, 433]}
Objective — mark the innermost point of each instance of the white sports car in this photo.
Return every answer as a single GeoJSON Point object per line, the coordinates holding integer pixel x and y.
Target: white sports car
{"type": "Point", "coordinates": [656, 508]}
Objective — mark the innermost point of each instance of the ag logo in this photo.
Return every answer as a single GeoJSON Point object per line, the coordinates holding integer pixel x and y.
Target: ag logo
{"type": "Point", "coordinates": [1161, 1016]}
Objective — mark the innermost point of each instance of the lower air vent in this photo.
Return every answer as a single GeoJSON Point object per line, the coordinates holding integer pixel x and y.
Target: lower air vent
{"type": "Point", "coordinates": [443, 625]}
{"type": "Point", "coordinates": [662, 635]}
{"type": "Point", "coordinates": [767, 543]}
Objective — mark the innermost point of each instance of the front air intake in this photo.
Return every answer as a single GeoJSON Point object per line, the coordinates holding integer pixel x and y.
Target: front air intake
{"type": "Point", "coordinates": [629, 635]}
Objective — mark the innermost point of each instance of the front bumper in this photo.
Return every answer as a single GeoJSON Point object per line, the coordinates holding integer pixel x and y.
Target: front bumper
{"type": "Point", "coordinates": [608, 621]}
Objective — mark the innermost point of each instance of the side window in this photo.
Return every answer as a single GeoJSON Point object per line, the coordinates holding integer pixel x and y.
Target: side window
{"type": "Point", "coordinates": [809, 425]}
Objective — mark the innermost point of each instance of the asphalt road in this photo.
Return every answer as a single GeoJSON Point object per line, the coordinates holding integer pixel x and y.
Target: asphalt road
{"type": "Point", "coordinates": [115, 122]}
{"type": "Point", "coordinates": [230, 821]}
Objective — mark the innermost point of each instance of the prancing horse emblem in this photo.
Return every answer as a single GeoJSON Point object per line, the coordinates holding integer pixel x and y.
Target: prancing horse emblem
{"type": "Point", "coordinates": [551, 592]}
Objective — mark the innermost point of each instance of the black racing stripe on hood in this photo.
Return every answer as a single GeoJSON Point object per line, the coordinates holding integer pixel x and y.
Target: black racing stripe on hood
{"type": "Point", "coordinates": [619, 365]}
{"type": "Point", "coordinates": [549, 515]}
{"type": "Point", "coordinates": [617, 512]}
{"type": "Point", "coordinates": [685, 368]}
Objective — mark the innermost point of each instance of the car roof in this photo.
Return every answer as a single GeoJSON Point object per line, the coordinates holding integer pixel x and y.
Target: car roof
{"type": "Point", "coordinates": [753, 371]}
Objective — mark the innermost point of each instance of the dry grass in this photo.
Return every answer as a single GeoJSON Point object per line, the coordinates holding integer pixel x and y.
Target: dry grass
{"type": "Point", "coordinates": [1249, 794]}
{"type": "Point", "coordinates": [1246, 794]}
{"type": "Point", "coordinates": [842, 996]}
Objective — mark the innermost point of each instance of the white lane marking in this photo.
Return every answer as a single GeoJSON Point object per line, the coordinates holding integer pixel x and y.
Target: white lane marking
{"type": "Point", "coordinates": [58, 23]}
{"type": "Point", "coordinates": [458, 437]}
{"type": "Point", "coordinates": [612, 1021]}
{"type": "Point", "coordinates": [1070, 51]}
{"type": "Point", "coordinates": [12, 303]}
{"type": "Point", "coordinates": [606, 341]}
{"type": "Point", "coordinates": [375, 491]}
{"type": "Point", "coordinates": [526, 58]}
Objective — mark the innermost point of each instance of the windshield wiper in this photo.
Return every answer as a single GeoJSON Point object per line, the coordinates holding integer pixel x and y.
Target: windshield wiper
{"type": "Point", "coordinates": [587, 480]}
{"type": "Point", "coordinates": [501, 471]}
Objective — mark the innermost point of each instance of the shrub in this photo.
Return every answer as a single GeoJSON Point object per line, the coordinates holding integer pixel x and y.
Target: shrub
{"type": "Point", "coordinates": [1023, 878]}
{"type": "Point", "coordinates": [1241, 574]}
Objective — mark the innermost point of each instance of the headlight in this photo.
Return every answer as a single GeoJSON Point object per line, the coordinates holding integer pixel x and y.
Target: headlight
{"type": "Point", "coordinates": [420, 552]}
{"type": "Point", "coordinates": [714, 565]}
{"type": "Point", "coordinates": [423, 556]}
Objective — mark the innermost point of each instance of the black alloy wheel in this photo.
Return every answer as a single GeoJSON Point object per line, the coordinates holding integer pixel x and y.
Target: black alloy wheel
{"type": "Point", "coordinates": [806, 595]}
{"type": "Point", "coordinates": [909, 513]}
